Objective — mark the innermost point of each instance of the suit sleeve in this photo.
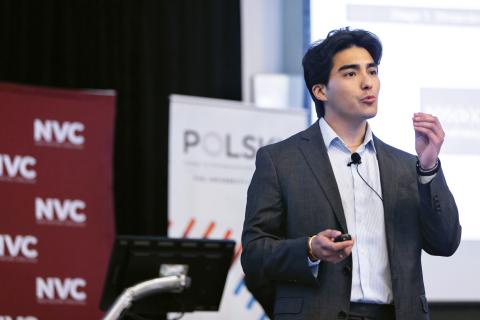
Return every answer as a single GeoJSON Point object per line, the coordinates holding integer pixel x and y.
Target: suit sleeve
{"type": "Point", "coordinates": [268, 255]}
{"type": "Point", "coordinates": [439, 217]}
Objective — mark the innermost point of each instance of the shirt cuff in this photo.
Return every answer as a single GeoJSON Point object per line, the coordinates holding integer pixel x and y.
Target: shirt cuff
{"type": "Point", "coordinates": [313, 265]}
{"type": "Point", "coordinates": [425, 179]}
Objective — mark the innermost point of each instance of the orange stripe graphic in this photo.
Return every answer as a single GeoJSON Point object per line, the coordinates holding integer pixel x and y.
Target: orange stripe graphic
{"type": "Point", "coordinates": [189, 228]}
{"type": "Point", "coordinates": [237, 253]}
{"type": "Point", "coordinates": [227, 234]}
{"type": "Point", "coordinates": [209, 230]}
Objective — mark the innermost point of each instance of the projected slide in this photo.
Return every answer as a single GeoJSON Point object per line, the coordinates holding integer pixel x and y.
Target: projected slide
{"type": "Point", "coordinates": [431, 63]}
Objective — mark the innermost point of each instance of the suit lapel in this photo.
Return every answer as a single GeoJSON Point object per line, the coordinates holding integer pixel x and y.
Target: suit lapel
{"type": "Point", "coordinates": [313, 149]}
{"type": "Point", "coordinates": [389, 182]}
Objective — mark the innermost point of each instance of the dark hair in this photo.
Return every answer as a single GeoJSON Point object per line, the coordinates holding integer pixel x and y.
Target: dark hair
{"type": "Point", "coordinates": [318, 60]}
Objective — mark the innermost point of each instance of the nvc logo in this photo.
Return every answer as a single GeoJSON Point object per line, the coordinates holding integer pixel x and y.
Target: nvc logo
{"type": "Point", "coordinates": [56, 211]}
{"type": "Point", "coordinates": [52, 132]}
{"type": "Point", "coordinates": [17, 168]}
{"type": "Point", "coordinates": [18, 247]}
{"type": "Point", "coordinates": [68, 290]}
{"type": "Point", "coordinates": [217, 144]}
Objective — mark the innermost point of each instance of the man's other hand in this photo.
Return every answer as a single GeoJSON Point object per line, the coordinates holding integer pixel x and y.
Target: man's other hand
{"type": "Point", "coordinates": [324, 247]}
{"type": "Point", "coordinates": [429, 138]}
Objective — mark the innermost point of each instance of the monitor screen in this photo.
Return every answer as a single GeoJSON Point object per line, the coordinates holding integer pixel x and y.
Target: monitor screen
{"type": "Point", "coordinates": [135, 259]}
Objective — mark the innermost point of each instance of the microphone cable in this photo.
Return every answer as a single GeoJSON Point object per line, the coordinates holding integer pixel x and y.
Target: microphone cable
{"type": "Point", "coordinates": [356, 160]}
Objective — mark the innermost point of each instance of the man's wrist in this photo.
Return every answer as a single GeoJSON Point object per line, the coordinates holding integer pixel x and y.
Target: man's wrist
{"type": "Point", "coordinates": [310, 253]}
{"type": "Point", "coordinates": [427, 172]}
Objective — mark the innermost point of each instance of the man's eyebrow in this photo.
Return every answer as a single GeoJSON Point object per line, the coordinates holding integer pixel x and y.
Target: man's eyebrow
{"type": "Point", "coordinates": [357, 66]}
{"type": "Point", "coordinates": [349, 66]}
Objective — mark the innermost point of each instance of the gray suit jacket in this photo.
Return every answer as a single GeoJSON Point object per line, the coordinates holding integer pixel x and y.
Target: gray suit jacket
{"type": "Point", "coordinates": [293, 194]}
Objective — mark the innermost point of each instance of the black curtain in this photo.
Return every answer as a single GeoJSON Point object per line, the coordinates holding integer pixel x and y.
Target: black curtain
{"type": "Point", "coordinates": [143, 49]}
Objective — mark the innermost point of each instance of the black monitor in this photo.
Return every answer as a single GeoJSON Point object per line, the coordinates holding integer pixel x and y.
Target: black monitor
{"type": "Point", "coordinates": [135, 259]}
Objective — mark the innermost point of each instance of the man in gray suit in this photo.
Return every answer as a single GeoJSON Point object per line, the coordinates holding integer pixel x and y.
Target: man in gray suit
{"type": "Point", "coordinates": [334, 178]}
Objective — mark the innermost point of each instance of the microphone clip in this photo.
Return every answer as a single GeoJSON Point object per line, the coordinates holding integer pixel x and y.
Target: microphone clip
{"type": "Point", "coordinates": [356, 159]}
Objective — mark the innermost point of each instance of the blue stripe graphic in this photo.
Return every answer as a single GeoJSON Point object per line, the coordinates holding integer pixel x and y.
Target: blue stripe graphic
{"type": "Point", "coordinates": [239, 286]}
{"type": "Point", "coordinates": [250, 302]}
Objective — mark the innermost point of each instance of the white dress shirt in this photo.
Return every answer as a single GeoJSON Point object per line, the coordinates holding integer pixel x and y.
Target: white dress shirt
{"type": "Point", "coordinates": [363, 209]}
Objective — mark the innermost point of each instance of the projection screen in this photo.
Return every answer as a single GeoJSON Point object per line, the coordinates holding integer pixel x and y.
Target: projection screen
{"type": "Point", "coordinates": [431, 63]}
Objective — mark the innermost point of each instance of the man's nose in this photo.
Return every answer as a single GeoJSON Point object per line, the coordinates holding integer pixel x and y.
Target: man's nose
{"type": "Point", "coordinates": [367, 82]}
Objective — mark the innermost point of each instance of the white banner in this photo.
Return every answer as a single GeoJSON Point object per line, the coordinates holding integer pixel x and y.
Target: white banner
{"type": "Point", "coordinates": [212, 148]}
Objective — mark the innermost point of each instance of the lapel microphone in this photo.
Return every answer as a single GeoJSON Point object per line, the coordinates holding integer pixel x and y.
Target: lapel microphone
{"type": "Point", "coordinates": [356, 159]}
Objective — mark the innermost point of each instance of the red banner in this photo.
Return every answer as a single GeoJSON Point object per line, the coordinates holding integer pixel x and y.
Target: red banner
{"type": "Point", "coordinates": [56, 206]}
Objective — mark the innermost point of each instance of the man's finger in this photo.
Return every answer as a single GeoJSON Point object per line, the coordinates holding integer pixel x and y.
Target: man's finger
{"type": "Point", "coordinates": [428, 120]}
{"type": "Point", "coordinates": [424, 116]}
{"type": "Point", "coordinates": [336, 246]}
{"type": "Point", "coordinates": [429, 134]}
{"type": "Point", "coordinates": [347, 251]}
{"type": "Point", "coordinates": [329, 233]}
{"type": "Point", "coordinates": [434, 127]}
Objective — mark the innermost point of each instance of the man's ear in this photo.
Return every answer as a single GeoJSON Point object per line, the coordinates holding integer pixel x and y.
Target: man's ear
{"type": "Point", "coordinates": [319, 91]}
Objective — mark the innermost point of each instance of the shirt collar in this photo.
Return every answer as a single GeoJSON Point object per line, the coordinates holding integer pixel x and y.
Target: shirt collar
{"type": "Point", "coordinates": [330, 136]}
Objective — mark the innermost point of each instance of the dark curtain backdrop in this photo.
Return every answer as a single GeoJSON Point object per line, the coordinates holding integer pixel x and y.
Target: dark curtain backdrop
{"type": "Point", "coordinates": [143, 49]}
